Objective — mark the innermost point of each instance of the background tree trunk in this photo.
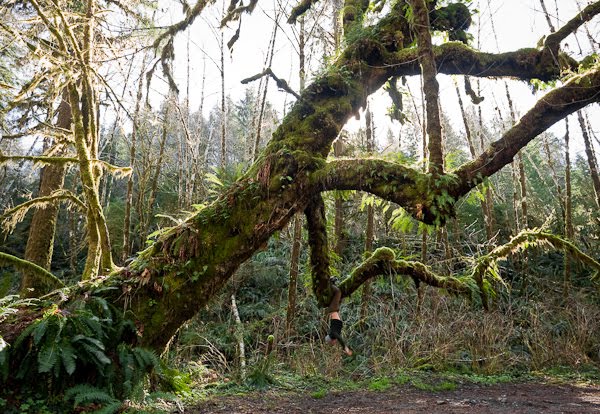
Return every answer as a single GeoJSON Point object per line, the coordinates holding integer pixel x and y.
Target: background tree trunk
{"type": "Point", "coordinates": [569, 231]}
{"type": "Point", "coordinates": [370, 231]}
{"type": "Point", "coordinates": [297, 232]}
{"type": "Point", "coordinates": [132, 154]}
{"type": "Point", "coordinates": [40, 243]}
{"type": "Point", "coordinates": [591, 159]}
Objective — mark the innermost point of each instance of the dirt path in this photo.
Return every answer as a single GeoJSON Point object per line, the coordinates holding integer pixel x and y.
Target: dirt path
{"type": "Point", "coordinates": [530, 398]}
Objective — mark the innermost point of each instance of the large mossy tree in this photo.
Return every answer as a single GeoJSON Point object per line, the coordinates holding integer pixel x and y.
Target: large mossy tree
{"type": "Point", "coordinates": [169, 282]}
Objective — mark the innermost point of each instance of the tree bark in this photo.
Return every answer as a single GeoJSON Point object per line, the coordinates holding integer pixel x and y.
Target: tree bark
{"type": "Point", "coordinates": [297, 232]}
{"type": "Point", "coordinates": [370, 231]}
{"type": "Point", "coordinates": [293, 285]}
{"type": "Point", "coordinates": [223, 112]}
{"type": "Point", "coordinates": [239, 336]}
{"type": "Point", "coordinates": [569, 231]}
{"type": "Point", "coordinates": [40, 243]}
{"type": "Point", "coordinates": [487, 219]}
{"type": "Point", "coordinates": [431, 87]}
{"type": "Point", "coordinates": [132, 154]}
{"type": "Point", "coordinates": [591, 159]}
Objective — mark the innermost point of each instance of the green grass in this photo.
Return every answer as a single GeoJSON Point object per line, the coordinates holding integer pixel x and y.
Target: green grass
{"type": "Point", "coordinates": [319, 393]}
{"type": "Point", "coordinates": [380, 384]}
{"type": "Point", "coordinates": [433, 386]}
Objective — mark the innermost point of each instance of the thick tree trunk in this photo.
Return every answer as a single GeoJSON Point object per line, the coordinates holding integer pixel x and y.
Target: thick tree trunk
{"type": "Point", "coordinates": [40, 243]}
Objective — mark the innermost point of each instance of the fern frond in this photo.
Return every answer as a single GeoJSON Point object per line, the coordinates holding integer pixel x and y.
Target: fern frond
{"type": "Point", "coordinates": [145, 358]}
{"type": "Point", "coordinates": [97, 355]}
{"type": "Point", "coordinates": [25, 334]}
{"type": "Point", "coordinates": [48, 357]}
{"type": "Point", "coordinates": [95, 328]}
{"type": "Point", "coordinates": [109, 408]}
{"type": "Point", "coordinates": [39, 331]}
{"type": "Point", "coordinates": [68, 356]}
{"type": "Point", "coordinates": [86, 393]}
{"type": "Point", "coordinates": [87, 340]}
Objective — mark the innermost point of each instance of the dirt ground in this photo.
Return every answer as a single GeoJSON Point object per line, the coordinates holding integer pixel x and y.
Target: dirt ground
{"type": "Point", "coordinates": [530, 398]}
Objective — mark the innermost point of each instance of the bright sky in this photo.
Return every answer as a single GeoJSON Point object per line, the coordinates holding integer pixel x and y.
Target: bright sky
{"type": "Point", "coordinates": [518, 24]}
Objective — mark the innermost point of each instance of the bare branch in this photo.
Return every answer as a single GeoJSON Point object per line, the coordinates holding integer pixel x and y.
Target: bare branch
{"type": "Point", "coordinates": [281, 83]}
{"type": "Point", "coordinates": [236, 12]}
{"type": "Point", "coordinates": [553, 40]}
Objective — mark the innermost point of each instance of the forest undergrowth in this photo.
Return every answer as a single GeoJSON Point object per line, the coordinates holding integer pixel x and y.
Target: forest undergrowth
{"type": "Point", "coordinates": [531, 330]}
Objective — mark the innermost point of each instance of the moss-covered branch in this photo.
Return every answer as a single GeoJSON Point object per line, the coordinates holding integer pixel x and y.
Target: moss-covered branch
{"type": "Point", "coordinates": [26, 266]}
{"type": "Point", "coordinates": [455, 58]}
{"type": "Point", "coordinates": [234, 13]}
{"type": "Point", "coordinates": [119, 172]}
{"type": "Point", "coordinates": [579, 91]}
{"type": "Point", "coordinates": [553, 40]}
{"type": "Point", "coordinates": [432, 201]}
{"type": "Point", "coordinates": [532, 238]}
{"type": "Point", "coordinates": [302, 7]}
{"type": "Point", "coordinates": [38, 159]}
{"type": "Point", "coordinates": [423, 196]}
{"type": "Point", "coordinates": [16, 214]}
{"type": "Point", "coordinates": [353, 14]}
{"type": "Point", "coordinates": [166, 41]}
{"type": "Point", "coordinates": [383, 262]}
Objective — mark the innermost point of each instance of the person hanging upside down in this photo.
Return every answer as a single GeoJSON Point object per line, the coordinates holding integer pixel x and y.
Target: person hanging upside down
{"type": "Point", "coordinates": [335, 322]}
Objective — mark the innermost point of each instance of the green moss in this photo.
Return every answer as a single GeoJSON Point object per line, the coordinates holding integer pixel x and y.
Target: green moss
{"type": "Point", "coordinates": [380, 384]}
